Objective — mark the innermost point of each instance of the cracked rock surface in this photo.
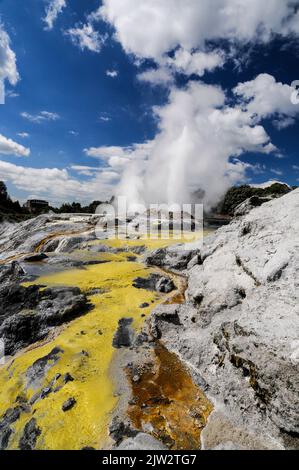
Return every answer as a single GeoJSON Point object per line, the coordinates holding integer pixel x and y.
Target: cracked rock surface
{"type": "Point", "coordinates": [27, 314]}
{"type": "Point", "coordinates": [238, 330]}
{"type": "Point", "coordinates": [24, 238]}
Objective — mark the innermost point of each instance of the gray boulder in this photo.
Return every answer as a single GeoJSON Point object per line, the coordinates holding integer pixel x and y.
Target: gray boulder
{"type": "Point", "coordinates": [124, 335]}
{"type": "Point", "coordinates": [154, 282]}
{"type": "Point", "coordinates": [175, 257]}
{"type": "Point", "coordinates": [30, 435]}
{"type": "Point", "coordinates": [11, 272]}
{"type": "Point", "coordinates": [141, 442]}
{"type": "Point", "coordinates": [27, 314]}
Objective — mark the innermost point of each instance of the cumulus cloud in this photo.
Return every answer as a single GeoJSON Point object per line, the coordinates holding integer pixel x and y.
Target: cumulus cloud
{"type": "Point", "coordinates": [158, 76]}
{"type": "Point", "coordinates": [283, 122]}
{"type": "Point", "coordinates": [200, 136]}
{"type": "Point", "coordinates": [84, 170]}
{"type": "Point", "coordinates": [83, 167]}
{"type": "Point", "coordinates": [265, 97]}
{"type": "Point", "coordinates": [132, 152]}
{"type": "Point", "coordinates": [58, 185]}
{"type": "Point", "coordinates": [53, 9]}
{"type": "Point", "coordinates": [183, 62]}
{"type": "Point", "coordinates": [86, 37]}
{"type": "Point", "coordinates": [8, 63]}
{"type": "Point", "coordinates": [9, 147]}
{"type": "Point", "coordinates": [40, 117]}
{"type": "Point", "coordinates": [152, 28]}
{"type": "Point", "coordinates": [196, 63]}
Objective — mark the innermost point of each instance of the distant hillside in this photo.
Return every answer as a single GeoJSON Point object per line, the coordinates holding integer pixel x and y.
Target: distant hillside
{"type": "Point", "coordinates": [237, 195]}
{"type": "Point", "coordinates": [267, 184]}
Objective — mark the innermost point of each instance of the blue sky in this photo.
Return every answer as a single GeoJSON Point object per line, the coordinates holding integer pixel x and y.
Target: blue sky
{"type": "Point", "coordinates": [75, 106]}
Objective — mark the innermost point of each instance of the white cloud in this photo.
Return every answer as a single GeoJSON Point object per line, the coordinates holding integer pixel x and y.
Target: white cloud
{"type": "Point", "coordinates": [9, 147]}
{"type": "Point", "coordinates": [152, 28]}
{"type": "Point", "coordinates": [184, 62]}
{"type": "Point", "coordinates": [283, 122]}
{"type": "Point", "coordinates": [118, 162]}
{"type": "Point", "coordinates": [49, 116]}
{"type": "Point", "coordinates": [11, 94]}
{"type": "Point", "coordinates": [105, 118]}
{"type": "Point", "coordinates": [53, 9]}
{"type": "Point", "coordinates": [132, 152]}
{"type": "Point", "coordinates": [159, 76]}
{"type": "Point", "coordinates": [112, 73]}
{"type": "Point", "coordinates": [84, 167]}
{"type": "Point", "coordinates": [295, 167]}
{"type": "Point", "coordinates": [196, 63]}
{"type": "Point", "coordinates": [8, 63]}
{"type": "Point", "coordinates": [84, 170]}
{"type": "Point", "coordinates": [40, 117]}
{"type": "Point", "coordinates": [103, 152]}
{"type": "Point", "coordinates": [276, 171]}
{"type": "Point", "coordinates": [86, 37]}
{"type": "Point", "coordinates": [57, 185]}
{"type": "Point", "coordinates": [23, 135]}
{"type": "Point", "coordinates": [271, 148]}
{"type": "Point", "coordinates": [74, 133]}
{"type": "Point", "coordinates": [266, 97]}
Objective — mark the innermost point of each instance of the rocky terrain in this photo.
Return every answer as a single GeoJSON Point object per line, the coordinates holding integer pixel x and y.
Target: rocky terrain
{"type": "Point", "coordinates": [202, 348]}
{"type": "Point", "coordinates": [69, 300]}
{"type": "Point", "coordinates": [48, 232]}
{"type": "Point", "coordinates": [238, 330]}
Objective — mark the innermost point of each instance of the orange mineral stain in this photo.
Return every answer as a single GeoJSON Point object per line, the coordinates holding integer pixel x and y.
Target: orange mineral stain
{"type": "Point", "coordinates": [168, 404]}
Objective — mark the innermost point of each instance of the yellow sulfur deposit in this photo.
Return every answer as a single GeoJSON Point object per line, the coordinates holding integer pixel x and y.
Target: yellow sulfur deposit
{"type": "Point", "coordinates": [88, 351]}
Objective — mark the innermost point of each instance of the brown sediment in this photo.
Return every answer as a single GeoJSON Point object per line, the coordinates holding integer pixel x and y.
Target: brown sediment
{"type": "Point", "coordinates": [167, 403]}
{"type": "Point", "coordinates": [177, 298]}
{"type": "Point", "coordinates": [12, 258]}
{"type": "Point", "coordinates": [180, 281]}
{"type": "Point", "coordinates": [52, 236]}
{"type": "Point", "coordinates": [41, 244]}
